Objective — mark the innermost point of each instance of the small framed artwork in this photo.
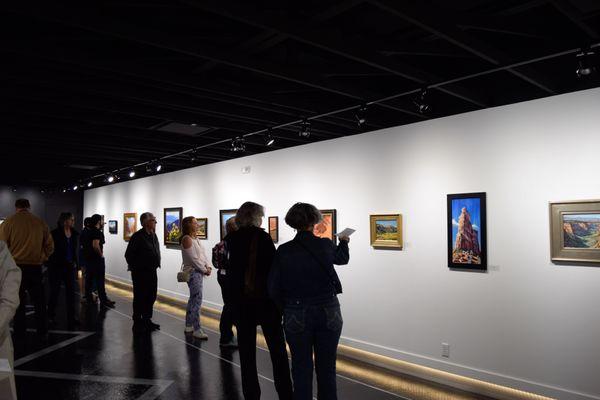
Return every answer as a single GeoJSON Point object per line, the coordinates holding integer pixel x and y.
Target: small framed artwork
{"type": "Point", "coordinates": [386, 231]}
{"type": "Point", "coordinates": [202, 232]}
{"type": "Point", "coordinates": [575, 231]}
{"type": "Point", "coordinates": [327, 228]}
{"type": "Point", "coordinates": [274, 228]}
{"type": "Point", "coordinates": [467, 231]}
{"type": "Point", "coordinates": [172, 225]}
{"type": "Point", "coordinates": [112, 227]}
{"type": "Point", "coordinates": [224, 216]}
{"type": "Point", "coordinates": [129, 225]}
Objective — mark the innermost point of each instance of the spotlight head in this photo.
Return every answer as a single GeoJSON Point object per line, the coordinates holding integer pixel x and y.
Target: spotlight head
{"type": "Point", "coordinates": [361, 115]}
{"type": "Point", "coordinates": [304, 131]}
{"type": "Point", "coordinates": [64, 190]}
{"type": "Point", "coordinates": [269, 139]}
{"type": "Point", "coordinates": [238, 145]}
{"type": "Point", "coordinates": [110, 178]}
{"type": "Point", "coordinates": [585, 63]}
{"type": "Point", "coordinates": [193, 156]}
{"type": "Point", "coordinates": [158, 167]}
{"type": "Point", "coordinates": [75, 187]}
{"type": "Point", "coordinates": [148, 168]}
{"type": "Point", "coordinates": [421, 103]}
{"type": "Point", "coordinates": [132, 173]}
{"type": "Point", "coordinates": [90, 183]}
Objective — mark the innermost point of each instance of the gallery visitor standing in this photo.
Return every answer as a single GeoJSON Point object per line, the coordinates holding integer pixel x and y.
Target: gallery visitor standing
{"type": "Point", "coordinates": [251, 255]}
{"type": "Point", "coordinates": [220, 256]}
{"type": "Point", "coordinates": [95, 267]}
{"type": "Point", "coordinates": [62, 267]}
{"type": "Point", "coordinates": [304, 283]}
{"type": "Point", "coordinates": [143, 260]}
{"type": "Point", "coordinates": [197, 265]}
{"type": "Point", "coordinates": [30, 243]}
{"type": "Point", "coordinates": [10, 281]}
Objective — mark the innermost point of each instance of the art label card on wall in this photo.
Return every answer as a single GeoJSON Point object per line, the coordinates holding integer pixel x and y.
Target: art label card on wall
{"type": "Point", "coordinates": [224, 216]}
{"type": "Point", "coordinates": [274, 228]}
{"type": "Point", "coordinates": [467, 231]}
{"type": "Point", "coordinates": [129, 225]}
{"type": "Point", "coordinates": [386, 231]}
{"type": "Point", "coordinates": [327, 228]}
{"type": "Point", "coordinates": [575, 231]}
{"type": "Point", "coordinates": [112, 227]}
{"type": "Point", "coordinates": [172, 225]}
{"type": "Point", "coordinates": [202, 232]}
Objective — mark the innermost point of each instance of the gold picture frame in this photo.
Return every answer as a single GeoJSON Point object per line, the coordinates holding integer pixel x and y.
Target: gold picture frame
{"type": "Point", "coordinates": [575, 231]}
{"type": "Point", "coordinates": [129, 225]}
{"type": "Point", "coordinates": [386, 231]}
{"type": "Point", "coordinates": [202, 232]}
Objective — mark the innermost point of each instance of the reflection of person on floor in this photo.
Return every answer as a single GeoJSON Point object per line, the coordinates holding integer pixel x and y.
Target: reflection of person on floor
{"type": "Point", "coordinates": [143, 259]}
{"type": "Point", "coordinates": [29, 241]}
{"type": "Point", "coordinates": [10, 281]}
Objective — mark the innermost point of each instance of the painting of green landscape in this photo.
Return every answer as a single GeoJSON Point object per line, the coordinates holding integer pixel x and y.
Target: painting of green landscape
{"type": "Point", "coordinates": [386, 230]}
{"type": "Point", "coordinates": [581, 231]}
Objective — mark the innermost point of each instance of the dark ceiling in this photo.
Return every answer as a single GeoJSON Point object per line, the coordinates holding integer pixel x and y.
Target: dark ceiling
{"type": "Point", "coordinates": [93, 90]}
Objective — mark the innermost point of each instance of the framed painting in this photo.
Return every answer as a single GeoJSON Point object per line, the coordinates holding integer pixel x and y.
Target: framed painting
{"type": "Point", "coordinates": [386, 231]}
{"type": "Point", "coordinates": [202, 232]}
{"type": "Point", "coordinates": [129, 225]}
{"type": "Point", "coordinates": [172, 225]}
{"type": "Point", "coordinates": [575, 231]}
{"type": "Point", "coordinates": [327, 228]}
{"type": "Point", "coordinates": [224, 216]}
{"type": "Point", "coordinates": [112, 227]}
{"type": "Point", "coordinates": [467, 231]}
{"type": "Point", "coordinates": [274, 228]}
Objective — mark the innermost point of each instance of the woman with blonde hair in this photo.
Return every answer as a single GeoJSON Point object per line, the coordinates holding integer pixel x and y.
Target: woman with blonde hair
{"type": "Point", "coordinates": [196, 262]}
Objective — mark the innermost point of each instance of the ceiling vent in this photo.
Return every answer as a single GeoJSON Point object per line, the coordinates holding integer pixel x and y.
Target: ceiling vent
{"type": "Point", "coordinates": [181, 129]}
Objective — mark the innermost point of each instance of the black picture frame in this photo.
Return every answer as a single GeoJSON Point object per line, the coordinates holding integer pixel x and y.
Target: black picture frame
{"type": "Point", "coordinates": [170, 240]}
{"type": "Point", "coordinates": [224, 215]}
{"type": "Point", "coordinates": [470, 256]}
{"type": "Point", "coordinates": [113, 227]}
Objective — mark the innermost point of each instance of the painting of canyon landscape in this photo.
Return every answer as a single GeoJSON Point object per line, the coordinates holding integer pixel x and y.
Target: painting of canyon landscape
{"type": "Point", "coordinates": [581, 231]}
{"type": "Point", "coordinates": [575, 231]}
{"type": "Point", "coordinates": [327, 228]}
{"type": "Point", "coordinates": [386, 231]}
{"type": "Point", "coordinates": [467, 231]}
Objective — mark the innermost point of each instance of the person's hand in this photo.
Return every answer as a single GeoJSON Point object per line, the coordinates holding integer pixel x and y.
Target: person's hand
{"type": "Point", "coordinates": [208, 271]}
{"type": "Point", "coordinates": [345, 239]}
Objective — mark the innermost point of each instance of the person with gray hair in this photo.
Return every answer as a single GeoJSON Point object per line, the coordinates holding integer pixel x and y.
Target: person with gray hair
{"type": "Point", "coordinates": [143, 258]}
{"type": "Point", "coordinates": [251, 252]}
{"type": "Point", "coordinates": [304, 283]}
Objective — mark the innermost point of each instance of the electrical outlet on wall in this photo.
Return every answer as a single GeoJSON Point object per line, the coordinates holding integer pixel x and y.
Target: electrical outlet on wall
{"type": "Point", "coordinates": [246, 170]}
{"type": "Point", "coordinates": [445, 350]}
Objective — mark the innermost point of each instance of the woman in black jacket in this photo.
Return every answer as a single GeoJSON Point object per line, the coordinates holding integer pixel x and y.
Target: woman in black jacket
{"type": "Point", "coordinates": [304, 283]}
{"type": "Point", "coordinates": [62, 267]}
{"type": "Point", "coordinates": [251, 252]}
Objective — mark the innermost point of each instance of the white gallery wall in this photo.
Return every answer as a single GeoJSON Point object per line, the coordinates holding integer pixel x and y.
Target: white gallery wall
{"type": "Point", "coordinates": [526, 323]}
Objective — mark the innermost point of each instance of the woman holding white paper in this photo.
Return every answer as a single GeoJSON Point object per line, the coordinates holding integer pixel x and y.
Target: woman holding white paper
{"type": "Point", "coordinates": [304, 283]}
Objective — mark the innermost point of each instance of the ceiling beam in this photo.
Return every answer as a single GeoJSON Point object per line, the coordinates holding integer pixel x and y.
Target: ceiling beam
{"type": "Point", "coordinates": [439, 24]}
{"type": "Point", "coordinates": [576, 16]}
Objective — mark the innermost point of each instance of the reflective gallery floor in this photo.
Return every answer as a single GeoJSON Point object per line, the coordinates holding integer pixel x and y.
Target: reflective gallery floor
{"type": "Point", "coordinates": [104, 360]}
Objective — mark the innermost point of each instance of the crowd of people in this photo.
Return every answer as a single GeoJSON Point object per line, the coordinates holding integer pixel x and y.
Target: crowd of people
{"type": "Point", "coordinates": [290, 292]}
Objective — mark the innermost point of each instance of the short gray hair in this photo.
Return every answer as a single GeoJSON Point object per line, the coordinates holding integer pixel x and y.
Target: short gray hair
{"type": "Point", "coordinates": [145, 216]}
{"type": "Point", "coordinates": [249, 214]}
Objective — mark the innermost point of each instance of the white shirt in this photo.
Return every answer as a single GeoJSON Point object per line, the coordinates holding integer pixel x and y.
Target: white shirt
{"type": "Point", "coordinates": [195, 256]}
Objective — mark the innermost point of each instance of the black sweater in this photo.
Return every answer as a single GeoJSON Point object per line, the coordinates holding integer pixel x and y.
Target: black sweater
{"type": "Point", "coordinates": [143, 251]}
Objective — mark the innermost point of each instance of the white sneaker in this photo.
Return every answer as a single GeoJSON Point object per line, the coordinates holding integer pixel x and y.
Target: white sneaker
{"type": "Point", "coordinates": [200, 335]}
{"type": "Point", "coordinates": [188, 329]}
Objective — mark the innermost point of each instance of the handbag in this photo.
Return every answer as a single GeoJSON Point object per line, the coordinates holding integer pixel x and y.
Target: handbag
{"type": "Point", "coordinates": [184, 274]}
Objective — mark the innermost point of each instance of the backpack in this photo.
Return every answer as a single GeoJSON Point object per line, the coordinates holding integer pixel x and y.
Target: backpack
{"type": "Point", "coordinates": [220, 255]}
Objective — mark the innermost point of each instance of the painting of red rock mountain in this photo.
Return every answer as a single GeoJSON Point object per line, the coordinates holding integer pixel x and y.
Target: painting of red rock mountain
{"type": "Point", "coordinates": [581, 231]}
{"type": "Point", "coordinates": [467, 231]}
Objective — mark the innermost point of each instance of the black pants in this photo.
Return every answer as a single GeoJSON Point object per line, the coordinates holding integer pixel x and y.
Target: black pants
{"type": "Point", "coordinates": [57, 274]}
{"type": "Point", "coordinates": [145, 285]}
{"type": "Point", "coordinates": [226, 321]}
{"type": "Point", "coordinates": [95, 271]}
{"type": "Point", "coordinates": [32, 283]}
{"type": "Point", "coordinates": [249, 314]}
{"type": "Point", "coordinates": [314, 327]}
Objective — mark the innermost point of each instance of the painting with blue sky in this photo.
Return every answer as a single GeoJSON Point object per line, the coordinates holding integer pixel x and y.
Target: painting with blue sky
{"type": "Point", "coordinates": [467, 231]}
{"type": "Point", "coordinates": [473, 207]}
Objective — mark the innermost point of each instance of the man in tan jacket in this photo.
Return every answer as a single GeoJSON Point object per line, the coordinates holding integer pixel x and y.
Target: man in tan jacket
{"type": "Point", "coordinates": [30, 243]}
{"type": "Point", "coordinates": [10, 281]}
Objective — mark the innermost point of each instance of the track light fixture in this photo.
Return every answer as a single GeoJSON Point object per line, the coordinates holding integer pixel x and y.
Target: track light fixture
{"type": "Point", "coordinates": [89, 184]}
{"type": "Point", "coordinates": [585, 62]}
{"type": "Point", "coordinates": [158, 167]}
{"type": "Point", "coordinates": [238, 145]}
{"type": "Point", "coordinates": [361, 115]}
{"type": "Point", "coordinates": [193, 156]}
{"type": "Point", "coordinates": [421, 103]}
{"type": "Point", "coordinates": [132, 173]}
{"type": "Point", "coordinates": [75, 187]}
{"type": "Point", "coordinates": [64, 190]}
{"type": "Point", "coordinates": [110, 178]}
{"type": "Point", "coordinates": [304, 131]}
{"type": "Point", "coordinates": [269, 139]}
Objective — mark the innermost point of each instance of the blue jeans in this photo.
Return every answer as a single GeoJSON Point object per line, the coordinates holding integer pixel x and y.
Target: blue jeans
{"type": "Point", "coordinates": [313, 326]}
{"type": "Point", "coordinates": [192, 314]}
